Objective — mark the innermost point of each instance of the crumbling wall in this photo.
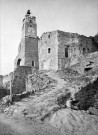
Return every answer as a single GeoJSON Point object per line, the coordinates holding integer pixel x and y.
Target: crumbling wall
{"type": "Point", "coordinates": [21, 54]}
{"type": "Point", "coordinates": [95, 41]}
{"type": "Point", "coordinates": [83, 46]}
{"type": "Point", "coordinates": [86, 44]}
{"type": "Point", "coordinates": [19, 79]}
{"type": "Point", "coordinates": [76, 46]}
{"type": "Point", "coordinates": [90, 60]}
{"type": "Point", "coordinates": [70, 42]}
{"type": "Point", "coordinates": [31, 52]}
{"type": "Point", "coordinates": [1, 80]}
{"type": "Point", "coordinates": [86, 63]}
{"type": "Point", "coordinates": [48, 51]}
{"type": "Point", "coordinates": [6, 80]}
{"type": "Point", "coordinates": [65, 49]}
{"type": "Point", "coordinates": [39, 81]}
{"type": "Point", "coordinates": [28, 53]}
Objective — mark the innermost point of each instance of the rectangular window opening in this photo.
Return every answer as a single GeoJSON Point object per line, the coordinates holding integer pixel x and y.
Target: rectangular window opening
{"type": "Point", "coordinates": [66, 52]}
{"type": "Point", "coordinates": [49, 50]}
{"type": "Point", "coordinates": [33, 63]}
{"type": "Point", "coordinates": [84, 50]}
{"type": "Point", "coordinates": [30, 21]}
{"type": "Point", "coordinates": [48, 36]}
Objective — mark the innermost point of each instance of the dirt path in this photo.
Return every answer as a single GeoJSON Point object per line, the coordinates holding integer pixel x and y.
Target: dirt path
{"type": "Point", "coordinates": [22, 127]}
{"type": "Point", "coordinates": [6, 129]}
{"type": "Point", "coordinates": [60, 82]}
{"type": "Point", "coordinates": [9, 127]}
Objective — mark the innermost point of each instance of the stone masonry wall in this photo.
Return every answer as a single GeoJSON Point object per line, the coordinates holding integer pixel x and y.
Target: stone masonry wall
{"type": "Point", "coordinates": [28, 47]}
{"type": "Point", "coordinates": [48, 51]}
{"type": "Point", "coordinates": [1, 80]}
{"type": "Point", "coordinates": [86, 62]}
{"type": "Point", "coordinates": [77, 45]}
{"type": "Point", "coordinates": [28, 52]}
{"type": "Point", "coordinates": [84, 46]}
{"type": "Point", "coordinates": [18, 77]}
{"type": "Point", "coordinates": [31, 52]}
{"type": "Point", "coordinates": [39, 80]}
{"type": "Point", "coordinates": [6, 80]}
{"type": "Point", "coordinates": [70, 41]}
{"type": "Point", "coordinates": [21, 54]}
{"type": "Point", "coordinates": [19, 80]}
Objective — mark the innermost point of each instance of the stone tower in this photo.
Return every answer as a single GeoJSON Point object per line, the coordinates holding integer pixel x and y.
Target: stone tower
{"type": "Point", "coordinates": [28, 47]}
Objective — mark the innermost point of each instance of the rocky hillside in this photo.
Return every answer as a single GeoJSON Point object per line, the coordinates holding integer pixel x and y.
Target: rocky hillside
{"type": "Point", "coordinates": [49, 104]}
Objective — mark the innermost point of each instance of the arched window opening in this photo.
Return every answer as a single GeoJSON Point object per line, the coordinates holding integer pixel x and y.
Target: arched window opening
{"type": "Point", "coordinates": [84, 50]}
{"type": "Point", "coordinates": [49, 50]}
{"type": "Point", "coordinates": [18, 62]}
{"type": "Point", "coordinates": [33, 63]}
{"type": "Point", "coordinates": [66, 52]}
{"type": "Point", "coordinates": [48, 36]}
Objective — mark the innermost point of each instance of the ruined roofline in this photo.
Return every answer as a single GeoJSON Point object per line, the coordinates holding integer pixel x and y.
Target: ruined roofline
{"type": "Point", "coordinates": [71, 33]}
{"type": "Point", "coordinates": [63, 33]}
{"type": "Point", "coordinates": [29, 15]}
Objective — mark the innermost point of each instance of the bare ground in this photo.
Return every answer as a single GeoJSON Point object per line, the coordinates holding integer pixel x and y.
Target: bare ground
{"type": "Point", "coordinates": [24, 116]}
{"type": "Point", "coordinates": [10, 126]}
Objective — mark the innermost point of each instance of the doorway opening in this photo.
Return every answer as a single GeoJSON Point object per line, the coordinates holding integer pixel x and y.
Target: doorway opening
{"type": "Point", "coordinates": [33, 63]}
{"type": "Point", "coordinates": [66, 52]}
{"type": "Point", "coordinates": [49, 50]}
{"type": "Point", "coordinates": [18, 62]}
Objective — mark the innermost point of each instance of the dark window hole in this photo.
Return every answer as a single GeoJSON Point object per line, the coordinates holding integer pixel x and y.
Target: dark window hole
{"type": "Point", "coordinates": [87, 69]}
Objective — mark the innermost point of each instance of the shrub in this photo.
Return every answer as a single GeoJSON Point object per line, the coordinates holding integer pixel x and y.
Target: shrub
{"type": "Point", "coordinates": [88, 96]}
{"type": "Point", "coordinates": [3, 92]}
{"type": "Point", "coordinates": [61, 101]}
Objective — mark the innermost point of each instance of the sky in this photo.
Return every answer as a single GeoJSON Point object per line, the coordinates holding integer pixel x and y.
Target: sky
{"type": "Point", "coordinates": [77, 16]}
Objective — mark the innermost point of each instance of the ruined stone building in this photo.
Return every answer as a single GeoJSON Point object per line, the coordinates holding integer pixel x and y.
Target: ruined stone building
{"type": "Point", "coordinates": [58, 49]}
{"type": "Point", "coordinates": [54, 50]}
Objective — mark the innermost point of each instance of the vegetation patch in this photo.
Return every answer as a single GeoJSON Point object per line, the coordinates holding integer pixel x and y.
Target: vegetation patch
{"type": "Point", "coordinates": [88, 96]}
{"type": "Point", "coordinates": [3, 92]}
{"type": "Point", "coordinates": [61, 100]}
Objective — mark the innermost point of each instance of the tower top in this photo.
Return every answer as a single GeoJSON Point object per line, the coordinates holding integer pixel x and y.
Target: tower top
{"type": "Point", "coordinates": [28, 12]}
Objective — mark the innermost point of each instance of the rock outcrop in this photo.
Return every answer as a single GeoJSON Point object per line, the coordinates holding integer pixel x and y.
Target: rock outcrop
{"type": "Point", "coordinates": [74, 122]}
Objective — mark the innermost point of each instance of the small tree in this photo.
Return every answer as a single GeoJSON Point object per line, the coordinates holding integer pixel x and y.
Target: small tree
{"type": "Point", "coordinates": [87, 96]}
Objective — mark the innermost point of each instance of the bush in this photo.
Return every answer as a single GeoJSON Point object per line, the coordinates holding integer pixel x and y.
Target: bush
{"type": "Point", "coordinates": [3, 92]}
{"type": "Point", "coordinates": [61, 101]}
{"type": "Point", "coordinates": [88, 96]}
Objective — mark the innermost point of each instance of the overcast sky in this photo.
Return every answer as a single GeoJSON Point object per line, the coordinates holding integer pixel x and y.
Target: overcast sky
{"type": "Point", "coordinates": [77, 16]}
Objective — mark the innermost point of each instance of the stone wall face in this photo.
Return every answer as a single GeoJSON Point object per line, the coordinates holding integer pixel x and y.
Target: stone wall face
{"type": "Point", "coordinates": [30, 29]}
{"type": "Point", "coordinates": [31, 52]}
{"type": "Point", "coordinates": [18, 77]}
{"type": "Point", "coordinates": [86, 62]}
{"type": "Point", "coordinates": [67, 47]}
{"type": "Point", "coordinates": [28, 47]}
{"type": "Point", "coordinates": [84, 46]}
{"type": "Point", "coordinates": [48, 51]}
{"type": "Point", "coordinates": [28, 52]}
{"type": "Point", "coordinates": [19, 80]}
{"type": "Point", "coordinates": [7, 79]}
{"type": "Point", "coordinates": [1, 80]}
{"type": "Point", "coordinates": [21, 54]}
{"type": "Point", "coordinates": [38, 80]}
{"type": "Point", "coordinates": [73, 44]}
